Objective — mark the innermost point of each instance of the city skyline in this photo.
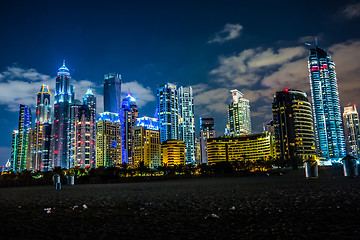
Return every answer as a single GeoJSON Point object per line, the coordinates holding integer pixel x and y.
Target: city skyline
{"type": "Point", "coordinates": [223, 51]}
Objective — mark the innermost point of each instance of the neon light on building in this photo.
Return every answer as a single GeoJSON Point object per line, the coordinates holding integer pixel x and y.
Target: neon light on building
{"type": "Point", "coordinates": [329, 134]}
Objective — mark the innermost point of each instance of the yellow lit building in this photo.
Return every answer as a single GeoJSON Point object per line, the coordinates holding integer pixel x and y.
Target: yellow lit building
{"type": "Point", "coordinates": [108, 140]}
{"type": "Point", "coordinates": [146, 147]}
{"type": "Point", "coordinates": [250, 147]}
{"type": "Point", "coordinates": [173, 152]}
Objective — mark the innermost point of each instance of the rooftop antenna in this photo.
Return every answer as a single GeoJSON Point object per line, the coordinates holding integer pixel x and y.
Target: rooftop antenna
{"type": "Point", "coordinates": [64, 62]}
{"type": "Point", "coordinates": [316, 42]}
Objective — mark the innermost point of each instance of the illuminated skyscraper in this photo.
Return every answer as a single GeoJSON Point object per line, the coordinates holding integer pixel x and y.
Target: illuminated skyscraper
{"type": "Point", "coordinates": [329, 134]}
{"type": "Point", "coordinates": [293, 125]}
{"type": "Point", "coordinates": [147, 142]}
{"type": "Point", "coordinates": [352, 131]}
{"type": "Point", "coordinates": [42, 157]}
{"type": "Point", "coordinates": [14, 150]}
{"type": "Point", "coordinates": [129, 114]}
{"type": "Point", "coordinates": [23, 147]}
{"type": "Point", "coordinates": [207, 131]}
{"type": "Point", "coordinates": [64, 97]}
{"type": "Point", "coordinates": [239, 115]}
{"type": "Point", "coordinates": [82, 132]}
{"type": "Point", "coordinates": [108, 140]}
{"type": "Point", "coordinates": [168, 112]}
{"type": "Point", "coordinates": [187, 123]}
{"type": "Point", "coordinates": [112, 92]}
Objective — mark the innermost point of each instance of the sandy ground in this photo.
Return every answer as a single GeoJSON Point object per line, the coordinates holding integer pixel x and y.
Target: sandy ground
{"type": "Point", "coordinates": [274, 207]}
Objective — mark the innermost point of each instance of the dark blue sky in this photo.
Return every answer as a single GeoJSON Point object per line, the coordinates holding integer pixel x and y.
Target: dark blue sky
{"type": "Point", "coordinates": [189, 43]}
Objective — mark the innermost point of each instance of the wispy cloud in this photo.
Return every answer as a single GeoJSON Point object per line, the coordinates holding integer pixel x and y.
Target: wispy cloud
{"type": "Point", "coordinates": [351, 11]}
{"type": "Point", "coordinates": [229, 32]}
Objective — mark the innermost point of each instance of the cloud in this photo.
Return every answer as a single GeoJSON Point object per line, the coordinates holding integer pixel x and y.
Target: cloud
{"type": "Point", "coordinates": [248, 67]}
{"type": "Point", "coordinates": [351, 11]}
{"type": "Point", "coordinates": [229, 32]}
{"type": "Point", "coordinates": [20, 85]}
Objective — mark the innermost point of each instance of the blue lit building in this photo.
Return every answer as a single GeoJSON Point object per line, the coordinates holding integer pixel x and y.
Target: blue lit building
{"type": "Point", "coordinates": [187, 123]}
{"type": "Point", "coordinates": [112, 92]}
{"type": "Point", "coordinates": [146, 143]}
{"type": "Point", "coordinates": [168, 112]}
{"type": "Point", "coordinates": [23, 154]}
{"type": "Point", "coordinates": [128, 114]}
{"type": "Point", "coordinates": [42, 157]}
{"type": "Point", "coordinates": [329, 134]}
{"type": "Point", "coordinates": [64, 97]}
{"type": "Point", "coordinates": [108, 140]}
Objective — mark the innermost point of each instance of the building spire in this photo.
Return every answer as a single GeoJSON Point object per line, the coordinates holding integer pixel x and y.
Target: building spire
{"type": "Point", "coordinates": [316, 43]}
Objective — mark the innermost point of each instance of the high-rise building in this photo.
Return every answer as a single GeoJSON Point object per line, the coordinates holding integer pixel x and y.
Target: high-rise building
{"type": "Point", "coordinates": [108, 140]}
{"type": "Point", "coordinates": [64, 97]}
{"type": "Point", "coordinates": [207, 131]}
{"type": "Point", "coordinates": [128, 114]}
{"type": "Point", "coordinates": [146, 142]}
{"type": "Point", "coordinates": [173, 152]}
{"type": "Point", "coordinates": [83, 132]}
{"type": "Point", "coordinates": [23, 144]}
{"type": "Point", "coordinates": [239, 115]}
{"type": "Point", "coordinates": [168, 112]}
{"type": "Point", "coordinates": [352, 131]}
{"type": "Point", "coordinates": [242, 148]}
{"type": "Point", "coordinates": [42, 157]}
{"type": "Point", "coordinates": [14, 150]}
{"type": "Point", "coordinates": [112, 92]}
{"type": "Point", "coordinates": [197, 151]}
{"type": "Point", "coordinates": [187, 122]}
{"type": "Point", "coordinates": [293, 125]}
{"type": "Point", "coordinates": [329, 134]}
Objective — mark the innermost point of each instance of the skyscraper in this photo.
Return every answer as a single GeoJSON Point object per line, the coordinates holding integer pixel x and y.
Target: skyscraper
{"type": "Point", "coordinates": [23, 146]}
{"type": "Point", "coordinates": [146, 142]}
{"type": "Point", "coordinates": [64, 97]}
{"type": "Point", "coordinates": [42, 159]}
{"type": "Point", "coordinates": [129, 114]}
{"type": "Point", "coordinates": [187, 122]}
{"type": "Point", "coordinates": [293, 125]}
{"type": "Point", "coordinates": [82, 132]}
{"type": "Point", "coordinates": [108, 140]}
{"type": "Point", "coordinates": [239, 115]}
{"type": "Point", "coordinates": [168, 112]}
{"type": "Point", "coordinates": [207, 131]}
{"type": "Point", "coordinates": [14, 150]}
{"type": "Point", "coordinates": [329, 135]}
{"type": "Point", "coordinates": [352, 131]}
{"type": "Point", "coordinates": [112, 92]}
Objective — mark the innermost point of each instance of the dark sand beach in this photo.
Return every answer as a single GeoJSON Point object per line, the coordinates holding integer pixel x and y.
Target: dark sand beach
{"type": "Point", "coordinates": [266, 207]}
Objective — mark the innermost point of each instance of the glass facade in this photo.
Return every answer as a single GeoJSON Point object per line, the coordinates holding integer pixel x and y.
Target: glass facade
{"type": "Point", "coordinates": [329, 134]}
{"type": "Point", "coordinates": [168, 112]}
{"type": "Point", "coordinates": [23, 144]}
{"type": "Point", "coordinates": [108, 140]}
{"type": "Point", "coordinates": [64, 97]}
{"type": "Point", "coordinates": [207, 130]}
{"type": "Point", "coordinates": [128, 114]}
{"type": "Point", "coordinates": [239, 115]}
{"type": "Point", "coordinates": [187, 122]}
{"type": "Point", "coordinates": [112, 92]}
{"type": "Point", "coordinates": [42, 156]}
{"type": "Point", "coordinates": [293, 125]}
{"type": "Point", "coordinates": [352, 131]}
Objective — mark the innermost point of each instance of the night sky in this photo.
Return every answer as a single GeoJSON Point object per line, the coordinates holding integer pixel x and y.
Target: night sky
{"type": "Point", "coordinates": [257, 47]}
